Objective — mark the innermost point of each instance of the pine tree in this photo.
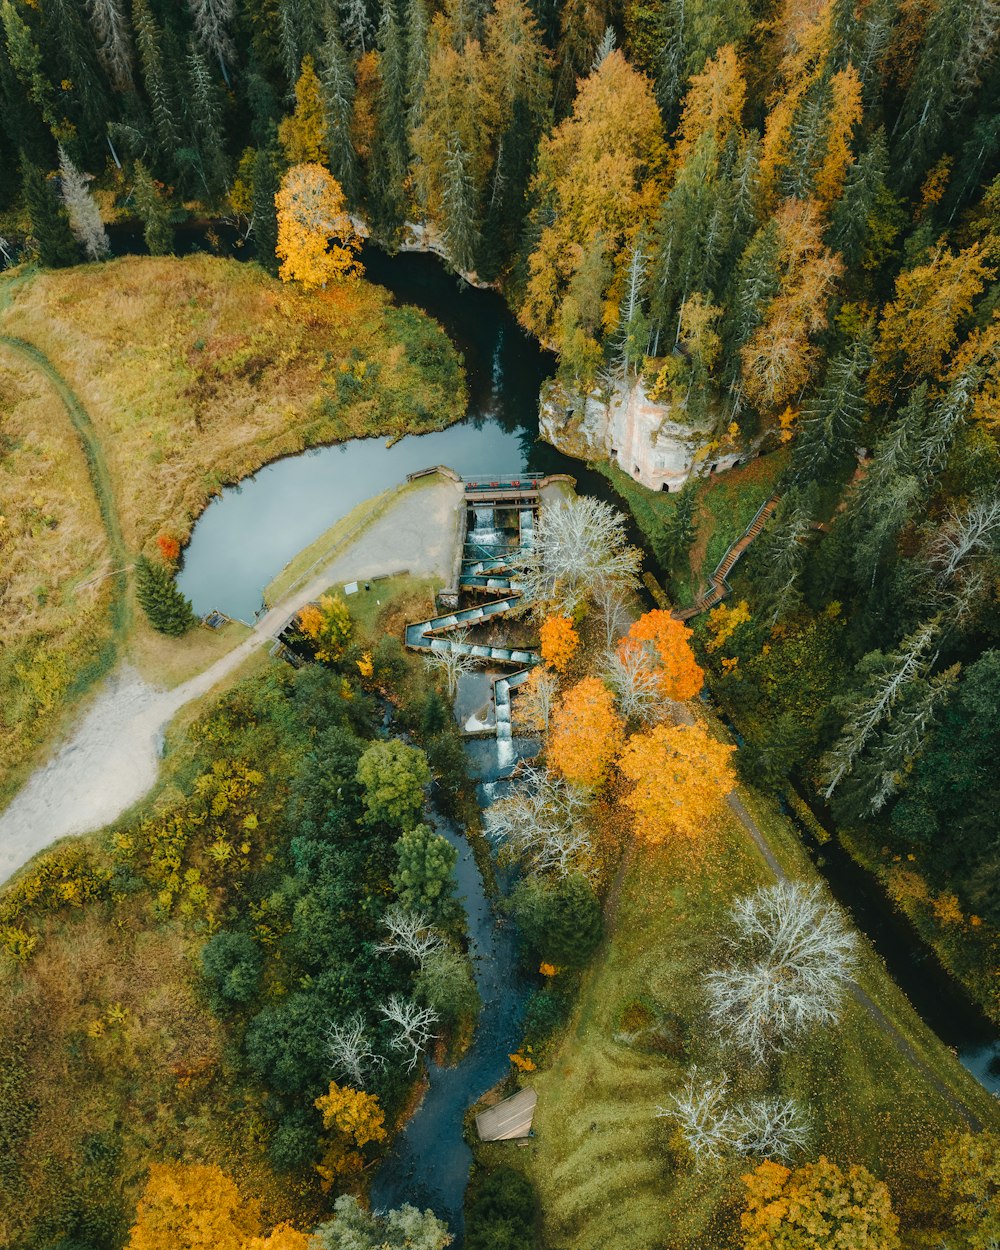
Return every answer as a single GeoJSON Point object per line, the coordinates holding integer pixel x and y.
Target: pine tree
{"type": "Point", "coordinates": [50, 226]}
{"type": "Point", "coordinates": [830, 428]}
{"type": "Point", "coordinates": [114, 41]}
{"type": "Point", "coordinates": [149, 38]}
{"type": "Point", "coordinates": [26, 61]}
{"type": "Point", "coordinates": [459, 207]}
{"type": "Point", "coordinates": [169, 612]}
{"type": "Point", "coordinates": [81, 207]}
{"type": "Point", "coordinates": [417, 59]}
{"type": "Point", "coordinates": [337, 84]}
{"type": "Point", "coordinates": [857, 225]}
{"type": "Point", "coordinates": [206, 123]}
{"type": "Point", "coordinates": [154, 211]}
{"type": "Point", "coordinates": [392, 154]}
{"type": "Point", "coordinates": [303, 134]}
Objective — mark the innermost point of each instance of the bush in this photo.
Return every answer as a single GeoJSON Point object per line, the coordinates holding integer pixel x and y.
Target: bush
{"type": "Point", "coordinates": [560, 922]}
{"type": "Point", "coordinates": [501, 1210]}
{"type": "Point", "coordinates": [168, 610]}
{"type": "Point", "coordinates": [231, 963]}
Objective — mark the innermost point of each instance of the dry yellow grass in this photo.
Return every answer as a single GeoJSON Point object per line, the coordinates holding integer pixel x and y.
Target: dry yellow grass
{"type": "Point", "coordinates": [54, 603]}
{"type": "Point", "coordinates": [197, 371]}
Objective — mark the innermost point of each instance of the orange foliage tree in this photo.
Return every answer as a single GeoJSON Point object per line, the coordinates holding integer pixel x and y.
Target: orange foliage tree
{"type": "Point", "coordinates": [817, 1205]}
{"type": "Point", "coordinates": [169, 547]}
{"type": "Point", "coordinates": [559, 642]}
{"type": "Point", "coordinates": [317, 242]}
{"type": "Point", "coordinates": [194, 1205]}
{"type": "Point", "coordinates": [681, 676]}
{"type": "Point", "coordinates": [681, 775]}
{"type": "Point", "coordinates": [354, 1113]}
{"type": "Point", "coordinates": [283, 1237]}
{"type": "Point", "coordinates": [586, 733]}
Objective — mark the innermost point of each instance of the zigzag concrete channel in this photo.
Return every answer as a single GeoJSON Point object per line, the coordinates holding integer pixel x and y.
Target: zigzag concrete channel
{"type": "Point", "coordinates": [503, 513]}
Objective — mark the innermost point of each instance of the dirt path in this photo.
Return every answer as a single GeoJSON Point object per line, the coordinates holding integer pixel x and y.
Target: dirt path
{"type": "Point", "coordinates": [111, 758]}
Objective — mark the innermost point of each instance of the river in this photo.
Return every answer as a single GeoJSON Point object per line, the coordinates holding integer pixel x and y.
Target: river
{"type": "Point", "coordinates": [247, 535]}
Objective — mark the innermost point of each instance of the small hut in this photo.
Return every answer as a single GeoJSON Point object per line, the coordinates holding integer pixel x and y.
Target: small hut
{"type": "Point", "coordinates": [508, 1119]}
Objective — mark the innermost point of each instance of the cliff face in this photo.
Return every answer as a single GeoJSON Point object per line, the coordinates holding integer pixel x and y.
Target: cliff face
{"type": "Point", "coordinates": [633, 432]}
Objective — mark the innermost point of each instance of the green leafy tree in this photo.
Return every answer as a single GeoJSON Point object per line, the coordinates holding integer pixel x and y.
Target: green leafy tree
{"type": "Point", "coordinates": [168, 610]}
{"type": "Point", "coordinates": [560, 921]}
{"type": "Point", "coordinates": [424, 879]}
{"type": "Point", "coordinates": [501, 1211]}
{"type": "Point", "coordinates": [393, 777]}
{"type": "Point", "coordinates": [231, 963]}
{"type": "Point", "coordinates": [406, 1228]}
{"type": "Point", "coordinates": [968, 1169]}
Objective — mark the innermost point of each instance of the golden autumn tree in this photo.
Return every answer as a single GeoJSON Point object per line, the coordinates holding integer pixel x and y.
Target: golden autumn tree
{"type": "Point", "coordinates": [586, 733]}
{"type": "Point", "coordinates": [845, 113]}
{"type": "Point", "coordinates": [680, 776]}
{"type": "Point", "coordinates": [317, 242]}
{"type": "Point", "coordinates": [327, 626]}
{"type": "Point", "coordinates": [303, 133]}
{"type": "Point", "coordinates": [352, 1112]}
{"type": "Point", "coordinates": [194, 1206]}
{"type": "Point", "coordinates": [282, 1237]}
{"type": "Point", "coordinates": [713, 103]}
{"type": "Point", "coordinates": [559, 642]}
{"type": "Point", "coordinates": [669, 643]}
{"type": "Point", "coordinates": [815, 1206]}
{"type": "Point", "coordinates": [597, 181]}
{"type": "Point", "coordinates": [535, 700]}
{"type": "Point", "coordinates": [919, 327]}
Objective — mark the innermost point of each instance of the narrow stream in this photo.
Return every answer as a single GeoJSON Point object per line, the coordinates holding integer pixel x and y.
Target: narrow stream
{"type": "Point", "coordinates": [429, 1162]}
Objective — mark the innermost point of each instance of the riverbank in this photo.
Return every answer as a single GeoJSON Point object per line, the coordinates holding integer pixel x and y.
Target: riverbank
{"type": "Point", "coordinates": [111, 758]}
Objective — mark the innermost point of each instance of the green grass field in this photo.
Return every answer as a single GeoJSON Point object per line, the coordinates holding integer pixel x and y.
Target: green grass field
{"type": "Point", "coordinates": [611, 1174]}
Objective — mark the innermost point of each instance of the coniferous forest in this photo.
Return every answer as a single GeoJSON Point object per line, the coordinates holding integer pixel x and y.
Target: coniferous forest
{"type": "Point", "coordinates": [778, 218]}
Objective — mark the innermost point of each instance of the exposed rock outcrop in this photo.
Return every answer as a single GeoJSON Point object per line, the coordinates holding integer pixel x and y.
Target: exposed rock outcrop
{"type": "Point", "coordinates": [642, 437]}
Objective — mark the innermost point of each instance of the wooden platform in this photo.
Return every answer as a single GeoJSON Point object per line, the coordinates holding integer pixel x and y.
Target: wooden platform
{"type": "Point", "coordinates": [508, 1119]}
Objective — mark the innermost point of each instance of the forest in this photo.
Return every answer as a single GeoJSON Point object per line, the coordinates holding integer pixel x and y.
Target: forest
{"type": "Point", "coordinates": [780, 224]}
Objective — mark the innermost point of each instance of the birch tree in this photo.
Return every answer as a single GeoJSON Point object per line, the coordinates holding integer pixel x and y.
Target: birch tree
{"type": "Point", "coordinates": [414, 1027]}
{"type": "Point", "coordinates": [633, 673]}
{"type": "Point", "coordinates": [349, 1048]}
{"type": "Point", "coordinates": [81, 207]}
{"type": "Point", "coordinates": [579, 544]}
{"type": "Point", "coordinates": [790, 956]}
{"type": "Point", "coordinates": [541, 824]}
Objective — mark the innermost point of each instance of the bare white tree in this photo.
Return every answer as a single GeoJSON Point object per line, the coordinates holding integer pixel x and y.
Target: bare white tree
{"type": "Point", "coordinates": [767, 1127]}
{"type": "Point", "coordinates": [533, 702]}
{"type": "Point", "coordinates": [578, 544]}
{"type": "Point", "coordinates": [349, 1048]}
{"type": "Point", "coordinates": [699, 1109]}
{"type": "Point", "coordinates": [114, 41]}
{"type": "Point", "coordinates": [633, 674]}
{"type": "Point", "coordinates": [963, 536]}
{"type": "Point", "coordinates": [540, 823]}
{"type": "Point", "coordinates": [84, 215]}
{"type": "Point", "coordinates": [211, 26]}
{"type": "Point", "coordinates": [611, 599]}
{"type": "Point", "coordinates": [414, 1027]}
{"type": "Point", "coordinates": [410, 934]}
{"type": "Point", "coordinates": [791, 956]}
{"type": "Point", "coordinates": [451, 663]}
{"type": "Point", "coordinates": [770, 1128]}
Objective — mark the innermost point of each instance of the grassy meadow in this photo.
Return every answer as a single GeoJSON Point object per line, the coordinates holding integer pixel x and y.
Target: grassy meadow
{"type": "Point", "coordinates": [608, 1171]}
{"type": "Point", "coordinates": [196, 372]}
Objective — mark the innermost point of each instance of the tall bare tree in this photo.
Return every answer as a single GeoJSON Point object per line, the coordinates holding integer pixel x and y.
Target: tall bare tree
{"type": "Point", "coordinates": [410, 934]}
{"type": "Point", "coordinates": [84, 215]}
{"type": "Point", "coordinates": [414, 1027]}
{"type": "Point", "coordinates": [349, 1047]}
{"type": "Point", "coordinates": [450, 662]}
{"type": "Point", "coordinates": [790, 957]}
{"type": "Point", "coordinates": [540, 824]}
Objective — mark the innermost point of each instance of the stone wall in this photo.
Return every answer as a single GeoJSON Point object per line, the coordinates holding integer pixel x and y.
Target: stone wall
{"type": "Point", "coordinates": [631, 431]}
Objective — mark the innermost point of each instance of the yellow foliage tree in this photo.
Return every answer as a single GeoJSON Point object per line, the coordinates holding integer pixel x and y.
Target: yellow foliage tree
{"type": "Point", "coordinates": [919, 326]}
{"type": "Point", "coordinates": [816, 1206]}
{"type": "Point", "coordinates": [192, 1206]}
{"type": "Point", "coordinates": [968, 1169]}
{"type": "Point", "coordinates": [355, 1114]}
{"type": "Point", "coordinates": [681, 677]}
{"type": "Point", "coordinates": [680, 776]}
{"type": "Point", "coordinates": [845, 113]}
{"type": "Point", "coordinates": [713, 104]}
{"type": "Point", "coordinates": [317, 242]}
{"type": "Point", "coordinates": [559, 642]}
{"type": "Point", "coordinates": [282, 1237]}
{"type": "Point", "coordinates": [724, 621]}
{"type": "Point", "coordinates": [586, 733]}
{"type": "Point", "coordinates": [303, 134]}
{"type": "Point", "coordinates": [327, 626]}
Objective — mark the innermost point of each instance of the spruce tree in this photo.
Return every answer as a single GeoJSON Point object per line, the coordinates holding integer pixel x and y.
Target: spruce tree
{"type": "Point", "coordinates": [168, 610]}
{"type": "Point", "coordinates": [459, 207]}
{"type": "Point", "coordinates": [206, 123]}
{"type": "Point", "coordinates": [49, 222]}
{"type": "Point", "coordinates": [154, 211]}
{"type": "Point", "coordinates": [149, 38]}
{"type": "Point", "coordinates": [265, 216]}
{"type": "Point", "coordinates": [337, 83]}
{"type": "Point", "coordinates": [392, 154]}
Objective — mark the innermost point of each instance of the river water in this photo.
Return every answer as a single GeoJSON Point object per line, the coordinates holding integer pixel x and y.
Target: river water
{"type": "Point", "coordinates": [247, 535]}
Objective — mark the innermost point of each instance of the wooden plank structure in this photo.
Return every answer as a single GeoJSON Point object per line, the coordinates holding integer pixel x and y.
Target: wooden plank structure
{"type": "Point", "coordinates": [508, 1119]}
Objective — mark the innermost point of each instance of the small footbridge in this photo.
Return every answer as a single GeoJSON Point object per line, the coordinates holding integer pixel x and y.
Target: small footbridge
{"type": "Point", "coordinates": [498, 521]}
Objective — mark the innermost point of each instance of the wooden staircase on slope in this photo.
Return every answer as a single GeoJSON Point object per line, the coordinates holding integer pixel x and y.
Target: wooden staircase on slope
{"type": "Point", "coordinates": [718, 586]}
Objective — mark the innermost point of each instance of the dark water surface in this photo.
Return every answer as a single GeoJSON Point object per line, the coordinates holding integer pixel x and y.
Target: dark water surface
{"type": "Point", "coordinates": [252, 530]}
